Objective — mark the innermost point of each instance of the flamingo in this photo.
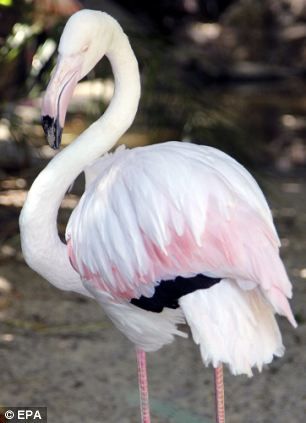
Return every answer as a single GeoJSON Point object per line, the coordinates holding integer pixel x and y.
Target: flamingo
{"type": "Point", "coordinates": [163, 234]}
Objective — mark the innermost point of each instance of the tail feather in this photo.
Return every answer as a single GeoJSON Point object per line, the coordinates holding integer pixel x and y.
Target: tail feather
{"type": "Point", "coordinates": [280, 304]}
{"type": "Point", "coordinates": [233, 326]}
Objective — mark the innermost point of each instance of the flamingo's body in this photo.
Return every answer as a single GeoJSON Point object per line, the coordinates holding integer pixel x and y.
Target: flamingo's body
{"type": "Point", "coordinates": [173, 209]}
{"type": "Point", "coordinates": [167, 212]}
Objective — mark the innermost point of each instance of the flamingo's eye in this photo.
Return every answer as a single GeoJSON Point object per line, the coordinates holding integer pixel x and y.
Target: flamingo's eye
{"type": "Point", "coordinates": [85, 48]}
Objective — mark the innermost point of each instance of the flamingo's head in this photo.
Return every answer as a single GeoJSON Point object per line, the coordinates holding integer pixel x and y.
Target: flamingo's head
{"type": "Point", "coordinates": [87, 36]}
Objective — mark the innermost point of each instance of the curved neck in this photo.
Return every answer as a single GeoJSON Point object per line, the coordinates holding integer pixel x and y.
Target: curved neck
{"type": "Point", "coordinates": [41, 246]}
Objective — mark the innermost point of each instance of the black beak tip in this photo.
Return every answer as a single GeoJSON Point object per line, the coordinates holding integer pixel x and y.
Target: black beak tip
{"type": "Point", "coordinates": [52, 130]}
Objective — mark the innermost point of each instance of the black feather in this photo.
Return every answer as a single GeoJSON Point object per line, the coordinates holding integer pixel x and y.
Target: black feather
{"type": "Point", "coordinates": [167, 293]}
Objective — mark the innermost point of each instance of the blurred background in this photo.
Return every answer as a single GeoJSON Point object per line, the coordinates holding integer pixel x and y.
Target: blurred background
{"type": "Point", "coordinates": [227, 73]}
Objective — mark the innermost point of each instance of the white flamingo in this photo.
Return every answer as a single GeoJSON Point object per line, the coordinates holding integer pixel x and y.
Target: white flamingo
{"type": "Point", "coordinates": [162, 234]}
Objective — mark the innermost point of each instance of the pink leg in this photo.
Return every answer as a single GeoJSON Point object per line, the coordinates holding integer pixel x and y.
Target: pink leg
{"type": "Point", "coordinates": [143, 386]}
{"type": "Point", "coordinates": [219, 394]}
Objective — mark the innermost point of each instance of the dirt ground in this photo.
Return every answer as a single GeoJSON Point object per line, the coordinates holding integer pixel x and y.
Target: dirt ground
{"type": "Point", "coordinates": [59, 350]}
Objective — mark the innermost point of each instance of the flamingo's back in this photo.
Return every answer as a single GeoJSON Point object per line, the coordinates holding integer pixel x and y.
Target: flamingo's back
{"type": "Point", "coordinates": [177, 209]}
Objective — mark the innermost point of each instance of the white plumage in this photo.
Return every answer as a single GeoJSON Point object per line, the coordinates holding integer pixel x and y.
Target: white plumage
{"type": "Point", "coordinates": [151, 214]}
{"type": "Point", "coordinates": [156, 196]}
{"type": "Point", "coordinates": [233, 326]}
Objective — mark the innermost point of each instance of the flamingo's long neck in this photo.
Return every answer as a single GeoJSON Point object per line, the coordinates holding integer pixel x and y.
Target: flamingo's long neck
{"type": "Point", "coordinates": [42, 248]}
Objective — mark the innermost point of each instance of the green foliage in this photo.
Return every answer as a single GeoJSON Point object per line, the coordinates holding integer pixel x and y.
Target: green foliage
{"type": "Point", "coordinates": [6, 3]}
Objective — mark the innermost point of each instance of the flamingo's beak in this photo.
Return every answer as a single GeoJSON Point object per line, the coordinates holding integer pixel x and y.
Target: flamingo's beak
{"type": "Point", "coordinates": [55, 102]}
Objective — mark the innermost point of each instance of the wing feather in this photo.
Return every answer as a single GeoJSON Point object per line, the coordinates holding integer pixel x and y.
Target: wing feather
{"type": "Point", "coordinates": [171, 209]}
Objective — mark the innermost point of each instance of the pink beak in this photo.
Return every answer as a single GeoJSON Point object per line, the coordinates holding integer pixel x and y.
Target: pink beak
{"type": "Point", "coordinates": [59, 91]}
